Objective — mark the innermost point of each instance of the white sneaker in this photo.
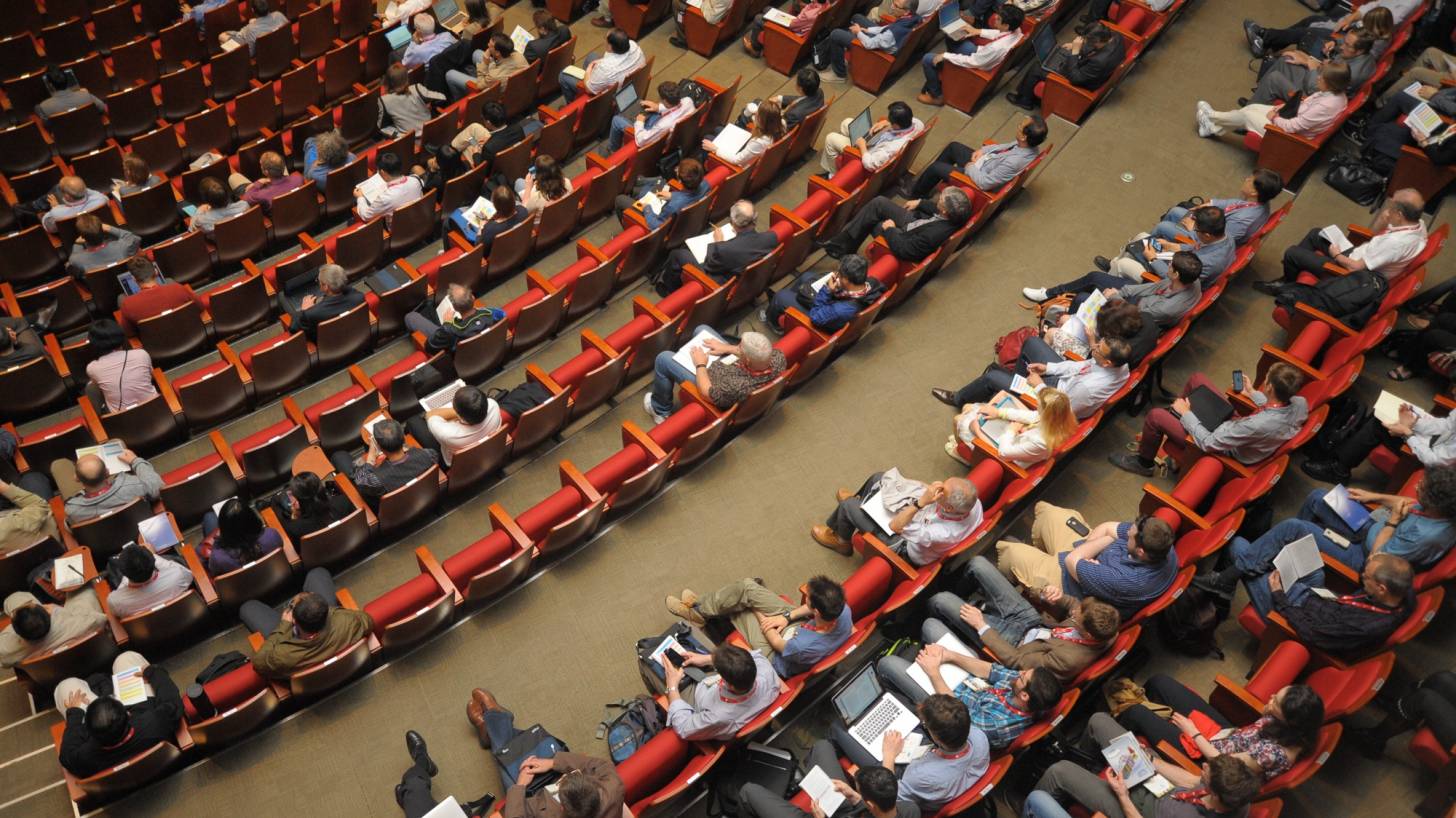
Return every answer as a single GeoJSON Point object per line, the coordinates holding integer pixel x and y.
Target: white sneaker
{"type": "Point", "coordinates": [828, 75]}
{"type": "Point", "coordinates": [1205, 107]}
{"type": "Point", "coordinates": [1205, 123]}
{"type": "Point", "coordinates": [1037, 294]}
{"type": "Point", "coordinates": [647, 404]}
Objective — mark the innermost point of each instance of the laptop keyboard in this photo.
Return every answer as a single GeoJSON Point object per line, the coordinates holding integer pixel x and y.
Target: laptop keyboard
{"type": "Point", "coordinates": [874, 723]}
{"type": "Point", "coordinates": [441, 398]}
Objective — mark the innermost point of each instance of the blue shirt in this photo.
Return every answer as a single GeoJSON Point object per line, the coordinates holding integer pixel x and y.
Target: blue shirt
{"type": "Point", "coordinates": [935, 779]}
{"type": "Point", "coordinates": [201, 9]}
{"type": "Point", "coordinates": [1241, 219]}
{"type": "Point", "coordinates": [1421, 540]}
{"type": "Point", "coordinates": [1216, 257]}
{"type": "Point", "coordinates": [1118, 579]}
{"type": "Point", "coordinates": [318, 173]}
{"type": "Point", "coordinates": [417, 53]}
{"type": "Point", "coordinates": [806, 647]}
{"type": "Point", "coordinates": [677, 201]}
{"type": "Point", "coordinates": [991, 710]}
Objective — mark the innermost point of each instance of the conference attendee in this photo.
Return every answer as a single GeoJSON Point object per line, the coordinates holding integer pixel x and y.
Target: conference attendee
{"type": "Point", "coordinates": [198, 13]}
{"type": "Point", "coordinates": [464, 320]}
{"type": "Point", "coordinates": [38, 628]}
{"type": "Point", "coordinates": [413, 794]}
{"type": "Point", "coordinates": [1431, 439]}
{"type": "Point", "coordinates": [1386, 132]}
{"type": "Point", "coordinates": [309, 503]}
{"type": "Point", "coordinates": [217, 205]}
{"type": "Point", "coordinates": [550, 33]}
{"type": "Point", "coordinates": [120, 377]}
{"type": "Point", "coordinates": [1212, 246]}
{"type": "Point", "coordinates": [1432, 704]}
{"type": "Point", "coordinates": [544, 183]}
{"type": "Point", "coordinates": [136, 176]}
{"type": "Point", "coordinates": [400, 189]}
{"type": "Point", "coordinates": [426, 43]}
{"type": "Point", "coordinates": [1296, 72]}
{"type": "Point", "coordinates": [804, 15]}
{"type": "Point", "coordinates": [235, 536]}
{"type": "Point", "coordinates": [1088, 384]}
{"type": "Point", "coordinates": [388, 464]}
{"type": "Point", "coordinates": [264, 22]}
{"type": "Point", "coordinates": [499, 60]}
{"type": "Point", "coordinates": [1125, 564]}
{"type": "Point", "coordinates": [1432, 67]}
{"type": "Point", "coordinates": [1028, 437]}
{"type": "Point", "coordinates": [1399, 236]}
{"type": "Point", "coordinates": [70, 198]}
{"type": "Point", "coordinates": [470, 418]}
{"type": "Point", "coordinates": [795, 108]}
{"type": "Point", "coordinates": [26, 517]}
{"type": "Point", "coordinates": [957, 758]}
{"type": "Point", "coordinates": [1088, 61]}
{"type": "Point", "coordinates": [397, 11]}
{"type": "Point", "coordinates": [405, 107]}
{"type": "Point", "coordinates": [766, 128]}
{"type": "Point", "coordinates": [1064, 338]}
{"type": "Point", "coordinates": [886, 138]}
{"type": "Point", "coordinates": [692, 188]}
{"type": "Point", "coordinates": [153, 296]}
{"type": "Point", "coordinates": [1278, 415]}
{"type": "Point", "coordinates": [1242, 217]}
{"type": "Point", "coordinates": [1002, 702]}
{"type": "Point", "coordinates": [724, 384]}
{"type": "Point", "coordinates": [794, 637]}
{"type": "Point", "coordinates": [311, 628]}
{"type": "Point", "coordinates": [1002, 621]}
{"type": "Point", "coordinates": [1223, 788]}
{"type": "Point", "coordinates": [872, 793]}
{"type": "Point", "coordinates": [989, 166]}
{"type": "Point", "coordinates": [981, 48]}
{"type": "Point", "coordinates": [656, 120]}
{"type": "Point", "coordinates": [101, 732]}
{"type": "Point", "coordinates": [99, 245]}
{"type": "Point", "coordinates": [843, 296]}
{"type": "Point", "coordinates": [872, 37]}
{"type": "Point", "coordinates": [480, 142]}
{"type": "Point", "coordinates": [335, 297]}
{"type": "Point", "coordinates": [276, 181]}
{"type": "Point", "coordinates": [1263, 40]}
{"type": "Point", "coordinates": [725, 257]}
{"type": "Point", "coordinates": [713, 12]}
{"type": "Point", "coordinates": [1163, 302]}
{"type": "Point", "coordinates": [1099, 11]}
{"type": "Point", "coordinates": [926, 520]}
{"type": "Point", "coordinates": [146, 581]}
{"type": "Point", "coordinates": [325, 152]}
{"type": "Point", "coordinates": [913, 231]}
{"type": "Point", "coordinates": [716, 708]}
{"type": "Point", "coordinates": [1419, 529]}
{"type": "Point", "coordinates": [64, 94]}
{"type": "Point", "coordinates": [605, 72]}
{"type": "Point", "coordinates": [91, 491]}
{"type": "Point", "coordinates": [1316, 113]}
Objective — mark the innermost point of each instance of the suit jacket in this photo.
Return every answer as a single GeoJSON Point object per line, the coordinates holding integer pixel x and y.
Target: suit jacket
{"type": "Point", "coordinates": [518, 804]}
{"type": "Point", "coordinates": [1091, 69]}
{"type": "Point", "coordinates": [330, 306]}
{"type": "Point", "coordinates": [726, 259]}
{"type": "Point", "coordinates": [506, 137]}
{"type": "Point", "coordinates": [1063, 657]}
{"type": "Point", "coordinates": [797, 108]}
{"type": "Point", "coordinates": [537, 48]}
{"type": "Point", "coordinates": [918, 244]}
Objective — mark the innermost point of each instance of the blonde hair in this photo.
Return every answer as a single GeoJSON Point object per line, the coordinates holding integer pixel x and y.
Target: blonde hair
{"type": "Point", "coordinates": [1055, 418]}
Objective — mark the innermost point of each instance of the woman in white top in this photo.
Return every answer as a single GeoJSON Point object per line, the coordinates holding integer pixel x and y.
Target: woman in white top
{"type": "Point", "coordinates": [470, 418]}
{"type": "Point", "coordinates": [767, 128]}
{"type": "Point", "coordinates": [544, 183]}
{"type": "Point", "coordinates": [1031, 436]}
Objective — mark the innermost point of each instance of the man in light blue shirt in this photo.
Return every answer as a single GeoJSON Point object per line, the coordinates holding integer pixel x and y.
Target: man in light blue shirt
{"type": "Point", "coordinates": [795, 638]}
{"type": "Point", "coordinates": [1215, 249]}
{"type": "Point", "coordinates": [425, 43]}
{"type": "Point", "coordinates": [200, 10]}
{"type": "Point", "coordinates": [1419, 529]}
{"type": "Point", "coordinates": [863, 30]}
{"type": "Point", "coordinates": [74, 198]}
{"type": "Point", "coordinates": [1242, 217]}
{"type": "Point", "coordinates": [719, 706]}
{"type": "Point", "coordinates": [958, 756]}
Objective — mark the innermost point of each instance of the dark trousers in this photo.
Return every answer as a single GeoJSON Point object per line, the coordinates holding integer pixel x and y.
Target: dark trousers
{"type": "Point", "coordinates": [952, 158]}
{"type": "Point", "coordinates": [33, 482]}
{"type": "Point", "coordinates": [1169, 691]}
{"type": "Point", "coordinates": [849, 517]}
{"type": "Point", "coordinates": [263, 619]}
{"type": "Point", "coordinates": [1278, 38]}
{"type": "Point", "coordinates": [343, 462]}
{"type": "Point", "coordinates": [1026, 87]}
{"type": "Point", "coordinates": [868, 221]}
{"type": "Point", "coordinates": [414, 795]}
{"type": "Point", "coordinates": [420, 428]}
{"type": "Point", "coordinates": [1434, 704]}
{"type": "Point", "coordinates": [756, 801]}
{"type": "Point", "coordinates": [1310, 254]}
{"type": "Point", "coordinates": [994, 379]}
{"type": "Point", "coordinates": [671, 277]}
{"type": "Point", "coordinates": [1035, 351]}
{"type": "Point", "coordinates": [1097, 10]}
{"type": "Point", "coordinates": [1085, 285]}
{"type": "Point", "coordinates": [789, 296]}
{"type": "Point", "coordinates": [1163, 429]}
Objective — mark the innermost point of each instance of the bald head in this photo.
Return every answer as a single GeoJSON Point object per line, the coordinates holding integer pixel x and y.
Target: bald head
{"type": "Point", "coordinates": [91, 471]}
{"type": "Point", "coordinates": [1406, 205]}
{"type": "Point", "coordinates": [73, 188]}
{"type": "Point", "coordinates": [960, 495]}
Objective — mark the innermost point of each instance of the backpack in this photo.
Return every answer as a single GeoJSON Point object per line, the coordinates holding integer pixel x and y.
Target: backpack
{"type": "Point", "coordinates": [1008, 346]}
{"type": "Point", "coordinates": [695, 91]}
{"type": "Point", "coordinates": [1351, 299]}
{"type": "Point", "coordinates": [770, 767]}
{"type": "Point", "coordinates": [1188, 626]}
{"type": "Point", "coordinates": [641, 719]}
{"type": "Point", "coordinates": [1347, 416]}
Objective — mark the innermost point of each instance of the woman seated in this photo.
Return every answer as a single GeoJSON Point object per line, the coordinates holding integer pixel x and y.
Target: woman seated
{"type": "Point", "coordinates": [544, 183]}
{"type": "Point", "coordinates": [136, 176]}
{"type": "Point", "coordinates": [1317, 112]}
{"type": "Point", "coordinates": [766, 128]}
{"type": "Point", "coordinates": [507, 215]}
{"type": "Point", "coordinates": [309, 504]}
{"type": "Point", "coordinates": [234, 537]}
{"type": "Point", "coordinates": [1028, 437]}
{"type": "Point", "coordinates": [120, 377]}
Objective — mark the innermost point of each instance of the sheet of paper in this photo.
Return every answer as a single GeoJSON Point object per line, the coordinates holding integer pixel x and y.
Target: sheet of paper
{"type": "Point", "coordinates": [684, 356]}
{"type": "Point", "coordinates": [574, 71]}
{"type": "Point", "coordinates": [129, 686]}
{"type": "Point", "coordinates": [1423, 121]}
{"type": "Point", "coordinates": [875, 508]}
{"type": "Point", "coordinates": [520, 36]}
{"type": "Point", "coordinates": [1414, 90]}
{"type": "Point", "coordinates": [217, 507]}
{"type": "Point", "coordinates": [1087, 313]}
{"type": "Point", "coordinates": [914, 748]}
{"type": "Point", "coordinates": [68, 572]}
{"type": "Point", "coordinates": [1126, 756]}
{"type": "Point", "coordinates": [651, 202]}
{"type": "Point", "coordinates": [951, 674]}
{"type": "Point", "coordinates": [231, 45]}
{"type": "Point", "coordinates": [1337, 239]}
{"type": "Point", "coordinates": [1298, 559]}
{"type": "Point", "coordinates": [821, 281]}
{"type": "Point", "coordinates": [1158, 785]}
{"type": "Point", "coordinates": [1022, 386]}
{"type": "Point", "coordinates": [110, 454]}
{"type": "Point", "coordinates": [820, 788]}
{"type": "Point", "coordinates": [1387, 407]}
{"type": "Point", "coordinates": [373, 188]}
{"type": "Point", "coordinates": [482, 211]}
{"type": "Point", "coordinates": [1353, 513]}
{"type": "Point", "coordinates": [731, 140]}
{"type": "Point", "coordinates": [779, 16]}
{"type": "Point", "coordinates": [157, 532]}
{"type": "Point", "coordinates": [699, 244]}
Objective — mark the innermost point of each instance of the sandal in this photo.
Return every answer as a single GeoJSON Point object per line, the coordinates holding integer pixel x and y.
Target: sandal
{"type": "Point", "coordinates": [1400, 373]}
{"type": "Point", "coordinates": [1418, 322]}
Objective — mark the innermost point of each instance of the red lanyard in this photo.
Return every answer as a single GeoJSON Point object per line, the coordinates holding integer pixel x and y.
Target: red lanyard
{"type": "Point", "coordinates": [1238, 206]}
{"type": "Point", "coordinates": [1069, 635]}
{"type": "Point", "coordinates": [1353, 601]}
{"type": "Point", "coordinates": [1000, 694]}
{"type": "Point", "coordinates": [1191, 796]}
{"type": "Point", "coordinates": [731, 699]}
{"type": "Point", "coordinates": [958, 754]}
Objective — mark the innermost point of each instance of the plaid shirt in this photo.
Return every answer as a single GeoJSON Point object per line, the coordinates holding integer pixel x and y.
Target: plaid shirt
{"type": "Point", "coordinates": [991, 709]}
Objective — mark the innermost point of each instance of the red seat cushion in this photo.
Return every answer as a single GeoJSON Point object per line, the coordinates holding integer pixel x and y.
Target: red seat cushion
{"type": "Point", "coordinates": [679, 426]}
{"type": "Point", "coordinates": [682, 299]}
{"type": "Point", "coordinates": [1199, 482]}
{"type": "Point", "coordinates": [373, 301]}
{"type": "Point", "coordinates": [653, 765]}
{"type": "Point", "coordinates": [867, 588]}
{"type": "Point", "coordinates": [553, 510]}
{"type": "Point", "coordinates": [987, 477]}
{"type": "Point", "coordinates": [228, 690]}
{"type": "Point", "coordinates": [476, 557]}
{"type": "Point", "coordinates": [198, 374]}
{"type": "Point", "coordinates": [1253, 141]}
{"type": "Point", "coordinates": [569, 374]}
{"type": "Point", "coordinates": [384, 378]}
{"type": "Point", "coordinates": [795, 344]}
{"type": "Point", "coordinates": [1424, 746]}
{"type": "Point", "coordinates": [334, 401]}
{"type": "Point", "coordinates": [198, 466]}
{"type": "Point", "coordinates": [52, 430]}
{"type": "Point", "coordinates": [262, 437]}
{"type": "Point", "coordinates": [1282, 667]}
{"type": "Point", "coordinates": [403, 601]}
{"type": "Point", "coordinates": [247, 355]}
{"type": "Point", "coordinates": [1039, 89]}
{"type": "Point", "coordinates": [607, 476]}
{"type": "Point", "coordinates": [1250, 621]}
{"type": "Point", "coordinates": [630, 334]}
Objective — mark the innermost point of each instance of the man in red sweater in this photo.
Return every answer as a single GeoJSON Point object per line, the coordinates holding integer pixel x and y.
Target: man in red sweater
{"type": "Point", "coordinates": [154, 298]}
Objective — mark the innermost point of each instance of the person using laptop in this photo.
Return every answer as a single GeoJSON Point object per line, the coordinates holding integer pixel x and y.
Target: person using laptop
{"type": "Point", "coordinates": [464, 319]}
{"type": "Point", "coordinates": [981, 49]}
{"type": "Point", "coordinates": [744, 685]}
{"type": "Point", "coordinates": [499, 60]}
{"type": "Point", "coordinates": [913, 231]}
{"type": "Point", "coordinates": [99, 245]}
{"type": "Point", "coordinates": [146, 581]}
{"type": "Point", "coordinates": [264, 21]}
{"type": "Point", "coordinates": [426, 43]}
{"type": "Point", "coordinates": [1224, 787]}
{"type": "Point", "coordinates": [603, 72]}
{"type": "Point", "coordinates": [387, 464]}
{"type": "Point", "coordinates": [102, 732]}
{"type": "Point", "coordinates": [872, 793]}
{"type": "Point", "coordinates": [470, 418]}
{"type": "Point", "coordinates": [1279, 413]}
{"type": "Point", "coordinates": [1088, 61]}
{"type": "Point", "coordinates": [989, 166]}
{"type": "Point", "coordinates": [958, 756]}
{"type": "Point", "coordinates": [879, 145]}
{"type": "Point", "coordinates": [723, 383]}
{"type": "Point", "coordinates": [925, 520]}
{"type": "Point", "coordinates": [656, 119]}
{"type": "Point", "coordinates": [794, 638]}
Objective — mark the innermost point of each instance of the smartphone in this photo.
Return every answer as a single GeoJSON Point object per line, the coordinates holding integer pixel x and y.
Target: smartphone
{"type": "Point", "coordinates": [1078, 526]}
{"type": "Point", "coordinates": [1238, 380]}
{"type": "Point", "coordinates": [674, 658]}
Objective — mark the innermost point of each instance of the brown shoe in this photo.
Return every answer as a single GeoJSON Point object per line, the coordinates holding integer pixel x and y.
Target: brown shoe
{"type": "Point", "coordinates": [826, 537]}
{"type": "Point", "coordinates": [601, 22]}
{"type": "Point", "coordinates": [680, 609]}
{"type": "Point", "coordinates": [930, 100]}
{"type": "Point", "coordinates": [475, 712]}
{"type": "Point", "coordinates": [689, 597]}
{"type": "Point", "coordinates": [843, 494]}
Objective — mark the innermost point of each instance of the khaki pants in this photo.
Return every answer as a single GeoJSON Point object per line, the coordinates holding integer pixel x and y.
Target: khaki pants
{"type": "Point", "coordinates": [739, 601]}
{"type": "Point", "coordinates": [1036, 566]}
{"type": "Point", "coordinates": [834, 145]}
{"type": "Point", "coordinates": [1253, 118]}
{"type": "Point", "coordinates": [1432, 66]}
{"type": "Point", "coordinates": [125, 661]}
{"type": "Point", "coordinates": [1127, 266]}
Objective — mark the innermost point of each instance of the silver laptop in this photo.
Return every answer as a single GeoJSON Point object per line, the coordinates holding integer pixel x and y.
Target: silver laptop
{"type": "Point", "coordinates": [442, 397]}
{"type": "Point", "coordinates": [952, 24]}
{"type": "Point", "coordinates": [448, 13]}
{"type": "Point", "coordinates": [860, 127]}
{"type": "Point", "coordinates": [869, 711]}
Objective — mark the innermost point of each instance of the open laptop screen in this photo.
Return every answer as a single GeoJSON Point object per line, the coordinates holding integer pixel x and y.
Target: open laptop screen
{"type": "Point", "coordinates": [397, 36]}
{"type": "Point", "coordinates": [860, 127]}
{"type": "Point", "coordinates": [627, 97]}
{"type": "Point", "coordinates": [857, 696]}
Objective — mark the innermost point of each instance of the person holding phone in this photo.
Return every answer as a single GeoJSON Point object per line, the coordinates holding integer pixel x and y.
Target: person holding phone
{"type": "Point", "coordinates": [717, 708]}
{"type": "Point", "coordinates": [794, 637]}
{"type": "Point", "coordinates": [310, 628]}
{"type": "Point", "coordinates": [847, 291]}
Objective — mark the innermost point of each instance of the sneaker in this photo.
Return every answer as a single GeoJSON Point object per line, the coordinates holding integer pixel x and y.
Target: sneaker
{"type": "Point", "coordinates": [1102, 263]}
{"type": "Point", "coordinates": [1206, 127]}
{"type": "Point", "coordinates": [1254, 34]}
{"type": "Point", "coordinates": [680, 609]}
{"type": "Point", "coordinates": [954, 451]}
{"type": "Point", "coordinates": [1132, 463]}
{"type": "Point", "coordinates": [647, 404]}
{"type": "Point", "coordinates": [1037, 294]}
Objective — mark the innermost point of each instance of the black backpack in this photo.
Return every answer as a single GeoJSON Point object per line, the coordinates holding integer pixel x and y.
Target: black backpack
{"type": "Point", "coordinates": [1357, 180]}
{"type": "Point", "coordinates": [1189, 625]}
{"type": "Point", "coordinates": [1351, 299]}
{"type": "Point", "coordinates": [694, 90]}
{"type": "Point", "coordinates": [770, 767]}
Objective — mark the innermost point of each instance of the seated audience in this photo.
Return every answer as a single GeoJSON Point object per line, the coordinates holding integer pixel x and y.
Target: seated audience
{"type": "Point", "coordinates": [236, 536]}
{"type": "Point", "coordinates": [1316, 114]}
{"type": "Point", "coordinates": [199, 12]}
{"type": "Point", "coordinates": [509, 213]}
{"type": "Point", "coordinates": [413, 794]}
{"type": "Point", "coordinates": [1211, 245]}
{"type": "Point", "coordinates": [91, 491]}
{"type": "Point", "coordinates": [843, 295]}
{"type": "Point", "coordinates": [120, 377]}
{"type": "Point", "coordinates": [310, 629]}
{"type": "Point", "coordinates": [766, 128]}
{"type": "Point", "coordinates": [146, 581]}
{"type": "Point", "coordinates": [1088, 384]}
{"type": "Point", "coordinates": [550, 33]}
{"type": "Point", "coordinates": [982, 49]}
{"type": "Point", "coordinates": [656, 120]}
{"type": "Point", "coordinates": [1431, 439]}
{"type": "Point", "coordinates": [335, 298]}
{"type": "Point", "coordinates": [323, 153]}
{"type": "Point", "coordinates": [154, 297]}
{"type": "Point", "coordinates": [264, 21]}
{"type": "Point", "coordinates": [388, 464]}
{"type": "Point", "coordinates": [795, 108]}
{"type": "Point", "coordinates": [989, 166]}
{"type": "Point", "coordinates": [605, 72]}
{"type": "Point", "coordinates": [693, 187]}
{"type": "Point", "coordinates": [1432, 68]}
{"type": "Point", "coordinates": [70, 198]}
{"type": "Point", "coordinates": [794, 638]}
{"type": "Point", "coordinates": [725, 257]}
{"type": "Point", "coordinates": [958, 757]}
{"type": "Point", "coordinates": [1296, 72]}
{"type": "Point", "coordinates": [543, 184]}
{"type": "Point", "coordinates": [744, 685]}
{"type": "Point", "coordinates": [37, 628]}
{"type": "Point", "coordinates": [1263, 40]}
{"type": "Point", "coordinates": [1278, 415]}
{"type": "Point", "coordinates": [308, 504]}
{"type": "Point", "coordinates": [480, 142]}
{"type": "Point", "coordinates": [397, 11]}
{"type": "Point", "coordinates": [1088, 61]}
{"type": "Point", "coordinates": [804, 14]}
{"type": "Point", "coordinates": [723, 384]}
{"type": "Point", "coordinates": [464, 319]}
{"type": "Point", "coordinates": [1431, 704]}
{"type": "Point", "coordinates": [405, 107]}
{"type": "Point", "coordinates": [400, 189]}
{"type": "Point", "coordinates": [101, 732]}
{"type": "Point", "coordinates": [1163, 302]}
{"type": "Point", "coordinates": [872, 36]}
{"type": "Point", "coordinates": [136, 176]}
{"type": "Point", "coordinates": [713, 12]}
{"type": "Point", "coordinates": [1242, 217]}
{"type": "Point", "coordinates": [1419, 529]}
{"type": "Point", "coordinates": [913, 231]}
{"type": "Point", "coordinates": [1399, 236]}
{"type": "Point", "coordinates": [217, 205]}
{"type": "Point", "coordinates": [99, 245]}
{"type": "Point", "coordinates": [65, 94]}
{"type": "Point", "coordinates": [1385, 132]}
{"type": "Point", "coordinates": [926, 520]}
{"type": "Point", "coordinates": [887, 137]}
{"type": "Point", "coordinates": [470, 418]}
{"type": "Point", "coordinates": [1062, 336]}
{"type": "Point", "coordinates": [499, 60]}
{"type": "Point", "coordinates": [1028, 437]}
{"type": "Point", "coordinates": [426, 43]}
{"type": "Point", "coordinates": [276, 181]}
{"type": "Point", "coordinates": [872, 793]}
{"type": "Point", "coordinates": [26, 517]}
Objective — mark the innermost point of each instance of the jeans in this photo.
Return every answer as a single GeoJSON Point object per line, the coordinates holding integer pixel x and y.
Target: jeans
{"type": "Point", "coordinates": [500, 725]}
{"type": "Point", "coordinates": [620, 124]}
{"type": "Point", "coordinates": [1006, 611]}
{"type": "Point", "coordinates": [788, 297]}
{"type": "Point", "coordinates": [263, 619]}
{"type": "Point", "coordinates": [839, 42]}
{"type": "Point", "coordinates": [1042, 804]}
{"type": "Point", "coordinates": [1173, 693]}
{"type": "Point", "coordinates": [668, 373]}
{"type": "Point", "coordinates": [848, 517]}
{"type": "Point", "coordinates": [569, 91]}
{"type": "Point", "coordinates": [1169, 228]}
{"type": "Point", "coordinates": [895, 671]}
{"type": "Point", "coordinates": [457, 81]}
{"type": "Point", "coordinates": [932, 73]}
{"type": "Point", "coordinates": [1317, 511]}
{"type": "Point", "coordinates": [994, 379]}
{"type": "Point", "coordinates": [1256, 559]}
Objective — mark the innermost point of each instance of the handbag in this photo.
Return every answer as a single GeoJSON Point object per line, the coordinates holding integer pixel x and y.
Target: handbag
{"type": "Point", "coordinates": [1290, 108]}
{"type": "Point", "coordinates": [1008, 346]}
{"type": "Point", "coordinates": [1356, 180]}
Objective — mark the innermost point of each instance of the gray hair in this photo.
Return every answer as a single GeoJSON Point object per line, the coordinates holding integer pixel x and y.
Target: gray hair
{"type": "Point", "coordinates": [960, 494]}
{"type": "Point", "coordinates": [756, 348]}
{"type": "Point", "coordinates": [742, 215]}
{"type": "Point", "coordinates": [956, 205]}
{"type": "Point", "coordinates": [461, 298]}
{"type": "Point", "coordinates": [423, 23]}
{"type": "Point", "coordinates": [1407, 202]}
{"type": "Point", "coordinates": [332, 150]}
{"type": "Point", "coordinates": [333, 278]}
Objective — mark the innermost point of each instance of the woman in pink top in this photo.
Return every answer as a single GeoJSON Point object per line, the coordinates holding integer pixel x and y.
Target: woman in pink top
{"type": "Point", "coordinates": [804, 16]}
{"type": "Point", "coordinates": [1317, 113]}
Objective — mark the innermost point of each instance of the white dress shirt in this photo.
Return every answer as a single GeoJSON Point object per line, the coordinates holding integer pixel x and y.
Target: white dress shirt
{"type": "Point", "coordinates": [1388, 252]}
{"type": "Point", "coordinates": [989, 54]}
{"type": "Point", "coordinates": [667, 119]}
{"type": "Point", "coordinates": [930, 534]}
{"type": "Point", "coordinates": [1087, 385]}
{"type": "Point", "coordinates": [611, 68]}
{"type": "Point", "coordinates": [401, 191]}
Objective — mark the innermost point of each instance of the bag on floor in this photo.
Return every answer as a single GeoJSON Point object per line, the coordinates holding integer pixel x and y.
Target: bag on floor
{"type": "Point", "coordinates": [1348, 415]}
{"type": "Point", "coordinates": [1189, 626]}
{"type": "Point", "coordinates": [221, 665]}
{"type": "Point", "coordinates": [654, 676]}
{"type": "Point", "coordinates": [695, 91]}
{"type": "Point", "coordinates": [641, 719]}
{"type": "Point", "coordinates": [1352, 299]}
{"type": "Point", "coordinates": [534, 741]}
{"type": "Point", "coordinates": [1356, 180]}
{"type": "Point", "coordinates": [1008, 346]}
{"type": "Point", "coordinates": [521, 399]}
{"type": "Point", "coordinates": [769, 767]}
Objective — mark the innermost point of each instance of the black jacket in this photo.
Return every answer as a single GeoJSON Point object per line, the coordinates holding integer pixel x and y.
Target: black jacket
{"type": "Point", "coordinates": [796, 108]}
{"type": "Point", "coordinates": [1091, 69]}
{"type": "Point", "coordinates": [918, 244]}
{"type": "Point", "coordinates": [453, 332]}
{"type": "Point", "coordinates": [726, 259]}
{"type": "Point", "coordinates": [537, 48]}
{"type": "Point", "coordinates": [506, 137]}
{"type": "Point", "coordinates": [152, 722]}
{"type": "Point", "coordinates": [330, 306]}
{"type": "Point", "coordinates": [337, 508]}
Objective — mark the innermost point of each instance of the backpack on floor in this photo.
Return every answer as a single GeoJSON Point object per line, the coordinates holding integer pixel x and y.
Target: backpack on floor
{"type": "Point", "coordinates": [1356, 180]}
{"type": "Point", "coordinates": [1189, 625]}
{"type": "Point", "coordinates": [640, 720]}
{"type": "Point", "coordinates": [769, 767]}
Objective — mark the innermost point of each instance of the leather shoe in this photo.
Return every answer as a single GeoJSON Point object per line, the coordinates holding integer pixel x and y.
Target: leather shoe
{"type": "Point", "coordinates": [928, 99]}
{"type": "Point", "coordinates": [843, 494]}
{"type": "Point", "coordinates": [479, 807]}
{"type": "Point", "coordinates": [1015, 99]}
{"type": "Point", "coordinates": [1269, 287]}
{"type": "Point", "coordinates": [945, 396]}
{"type": "Point", "coordinates": [1326, 471]}
{"type": "Point", "coordinates": [826, 537]}
{"type": "Point", "coordinates": [1103, 263]}
{"type": "Point", "coordinates": [601, 22]}
{"type": "Point", "coordinates": [1130, 462]}
{"type": "Point", "coordinates": [415, 743]}
{"type": "Point", "coordinates": [480, 701]}
{"type": "Point", "coordinates": [677, 41]}
{"type": "Point", "coordinates": [399, 795]}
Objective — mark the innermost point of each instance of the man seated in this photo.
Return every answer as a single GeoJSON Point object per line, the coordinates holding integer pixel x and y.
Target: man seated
{"type": "Point", "coordinates": [724, 384]}
{"type": "Point", "coordinates": [397, 11]}
{"type": "Point", "coordinates": [263, 22]}
{"type": "Point", "coordinates": [913, 231]}
{"type": "Point", "coordinates": [71, 197]}
{"type": "Point", "coordinates": [1162, 302]}
{"type": "Point", "coordinates": [794, 108]}
{"type": "Point", "coordinates": [657, 118]}
{"type": "Point", "coordinates": [1296, 72]}
{"type": "Point", "coordinates": [276, 181]}
{"type": "Point", "coordinates": [957, 758]}
{"type": "Point", "coordinates": [887, 137]}
{"type": "Point", "coordinates": [1399, 236]}
{"type": "Point", "coordinates": [405, 107]}
{"type": "Point", "coordinates": [1126, 565]}
{"type": "Point", "coordinates": [1431, 438]}
{"type": "Point", "coordinates": [1242, 217]}
{"type": "Point", "coordinates": [1214, 249]}
{"type": "Point", "coordinates": [464, 320]}
{"type": "Point", "coordinates": [480, 142]}
{"type": "Point", "coordinates": [725, 258]}
{"type": "Point", "coordinates": [387, 464]}
{"type": "Point", "coordinates": [425, 43]}
{"type": "Point", "coordinates": [719, 706]}
{"type": "Point", "coordinates": [804, 14]}
{"type": "Point", "coordinates": [154, 298]}
{"type": "Point", "coordinates": [1100, 11]}
{"type": "Point", "coordinates": [604, 72]}
{"type": "Point", "coordinates": [335, 298]}
{"type": "Point", "coordinates": [310, 629]}
{"type": "Point", "coordinates": [843, 296]}
{"type": "Point", "coordinates": [550, 33]}
{"type": "Point", "coordinates": [1315, 115]}
{"type": "Point", "coordinates": [1279, 415]}
{"type": "Point", "coordinates": [470, 418]}
{"type": "Point", "coordinates": [989, 166]}
{"type": "Point", "coordinates": [91, 491]}
{"type": "Point", "coordinates": [146, 581]}
{"type": "Point", "coordinates": [868, 33]}
{"type": "Point", "coordinates": [494, 65]}
{"type": "Point", "coordinates": [1088, 384]}
{"type": "Point", "coordinates": [1088, 61]}
{"type": "Point", "coordinates": [927, 520]}
{"type": "Point", "coordinates": [1010, 702]}
{"type": "Point", "coordinates": [999, 619]}
{"type": "Point", "coordinates": [981, 48]}
{"type": "Point", "coordinates": [66, 93]}
{"type": "Point", "coordinates": [25, 516]}
{"type": "Point", "coordinates": [99, 245]}
{"type": "Point", "coordinates": [1433, 69]}
{"type": "Point", "coordinates": [1223, 789]}
{"type": "Point", "coordinates": [794, 638]}
{"type": "Point", "coordinates": [1386, 131]}
{"type": "Point", "coordinates": [873, 793]}
{"type": "Point", "coordinates": [101, 732]}
{"type": "Point", "coordinates": [693, 188]}
{"type": "Point", "coordinates": [199, 12]}
{"type": "Point", "coordinates": [37, 628]}
{"type": "Point", "coordinates": [413, 794]}
{"type": "Point", "coordinates": [1263, 40]}
{"type": "Point", "coordinates": [400, 189]}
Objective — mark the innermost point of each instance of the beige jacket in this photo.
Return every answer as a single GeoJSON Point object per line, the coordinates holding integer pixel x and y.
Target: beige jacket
{"type": "Point", "coordinates": [30, 520]}
{"type": "Point", "coordinates": [80, 615]}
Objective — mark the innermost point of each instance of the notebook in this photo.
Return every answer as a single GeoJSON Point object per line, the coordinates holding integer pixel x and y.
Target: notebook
{"type": "Point", "coordinates": [1337, 239]}
{"type": "Point", "coordinates": [875, 508]}
{"type": "Point", "coordinates": [386, 280]}
{"type": "Point", "coordinates": [521, 37]}
{"type": "Point", "coordinates": [684, 356]}
{"type": "Point", "coordinates": [157, 532]}
{"type": "Point", "coordinates": [952, 24]}
{"type": "Point", "coordinates": [859, 127]}
{"type": "Point", "coordinates": [650, 201]}
{"type": "Point", "coordinates": [699, 244]}
{"type": "Point", "coordinates": [820, 788]}
{"type": "Point", "coordinates": [952, 675]}
{"type": "Point", "coordinates": [1387, 408]}
{"type": "Point", "coordinates": [730, 140]}
{"type": "Point", "coordinates": [778, 16]}
{"type": "Point", "coordinates": [1351, 511]}
{"type": "Point", "coordinates": [398, 38]}
{"type": "Point", "coordinates": [1298, 559]}
{"type": "Point", "coordinates": [373, 189]}
{"type": "Point", "coordinates": [574, 71]}
{"type": "Point", "coordinates": [479, 213]}
{"type": "Point", "coordinates": [68, 572]}
{"type": "Point", "coordinates": [1125, 755]}
{"type": "Point", "coordinates": [1209, 407]}
{"type": "Point", "coordinates": [230, 45]}
{"type": "Point", "coordinates": [129, 687]}
{"type": "Point", "coordinates": [109, 452]}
